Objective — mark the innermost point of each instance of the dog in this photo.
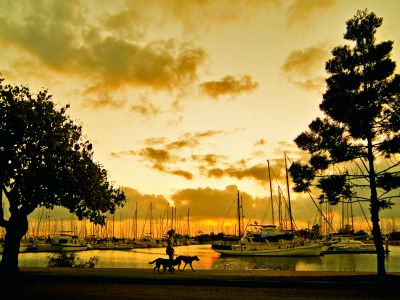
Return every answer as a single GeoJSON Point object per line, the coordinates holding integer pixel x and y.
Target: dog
{"type": "Point", "coordinates": [166, 263]}
{"type": "Point", "coordinates": [188, 260]}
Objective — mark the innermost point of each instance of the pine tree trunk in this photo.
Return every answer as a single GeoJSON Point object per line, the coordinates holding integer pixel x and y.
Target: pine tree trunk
{"type": "Point", "coordinates": [16, 229]}
{"type": "Point", "coordinates": [374, 208]}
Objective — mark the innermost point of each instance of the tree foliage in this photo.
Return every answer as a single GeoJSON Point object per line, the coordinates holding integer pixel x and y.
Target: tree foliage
{"type": "Point", "coordinates": [361, 128]}
{"type": "Point", "coordinates": [45, 161]}
{"type": "Point", "coordinates": [71, 260]}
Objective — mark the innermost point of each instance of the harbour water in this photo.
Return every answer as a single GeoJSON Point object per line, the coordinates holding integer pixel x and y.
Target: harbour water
{"type": "Point", "coordinates": [211, 260]}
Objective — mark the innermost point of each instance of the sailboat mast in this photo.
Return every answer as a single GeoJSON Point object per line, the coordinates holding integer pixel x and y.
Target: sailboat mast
{"type": "Point", "coordinates": [241, 213]}
{"type": "Point", "coordinates": [113, 221]}
{"type": "Point", "coordinates": [280, 207]}
{"type": "Point", "coordinates": [136, 222]}
{"type": "Point", "coordinates": [270, 190]}
{"type": "Point", "coordinates": [151, 219]}
{"type": "Point", "coordinates": [288, 192]}
{"type": "Point", "coordinates": [188, 223]}
{"type": "Point", "coordinates": [238, 213]}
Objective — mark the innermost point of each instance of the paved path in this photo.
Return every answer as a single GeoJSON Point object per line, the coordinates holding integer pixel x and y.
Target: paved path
{"type": "Point", "coordinates": [115, 284]}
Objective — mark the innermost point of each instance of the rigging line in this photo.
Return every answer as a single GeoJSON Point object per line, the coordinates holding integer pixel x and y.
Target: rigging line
{"type": "Point", "coordinates": [333, 212]}
{"type": "Point", "coordinates": [312, 226]}
{"type": "Point", "coordinates": [286, 205]}
{"type": "Point", "coordinates": [247, 225]}
{"type": "Point", "coordinates": [365, 166]}
{"type": "Point", "coordinates": [389, 167]}
{"type": "Point", "coordinates": [369, 225]}
{"type": "Point", "coordinates": [40, 220]}
{"type": "Point", "coordinates": [322, 214]}
{"type": "Point", "coordinates": [265, 212]}
{"type": "Point", "coordinates": [361, 170]}
{"type": "Point", "coordinates": [230, 208]}
{"type": "Point", "coordinates": [144, 225]}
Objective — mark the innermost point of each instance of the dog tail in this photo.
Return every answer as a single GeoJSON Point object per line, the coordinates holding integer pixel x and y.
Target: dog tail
{"type": "Point", "coordinates": [152, 262]}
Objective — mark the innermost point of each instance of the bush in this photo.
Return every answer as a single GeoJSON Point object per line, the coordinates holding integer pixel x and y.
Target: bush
{"type": "Point", "coordinates": [71, 260]}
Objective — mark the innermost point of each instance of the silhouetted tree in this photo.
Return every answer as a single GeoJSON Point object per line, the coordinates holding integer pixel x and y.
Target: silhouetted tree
{"type": "Point", "coordinates": [44, 161]}
{"type": "Point", "coordinates": [360, 132]}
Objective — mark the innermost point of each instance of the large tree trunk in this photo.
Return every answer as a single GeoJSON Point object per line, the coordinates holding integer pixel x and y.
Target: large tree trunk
{"type": "Point", "coordinates": [374, 208]}
{"type": "Point", "coordinates": [16, 229]}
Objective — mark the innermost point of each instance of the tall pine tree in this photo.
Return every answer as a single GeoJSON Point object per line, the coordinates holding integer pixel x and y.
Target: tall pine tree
{"type": "Point", "coordinates": [356, 145]}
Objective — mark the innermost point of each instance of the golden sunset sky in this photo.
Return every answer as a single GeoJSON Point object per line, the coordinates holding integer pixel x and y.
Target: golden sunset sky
{"type": "Point", "coordinates": [185, 101]}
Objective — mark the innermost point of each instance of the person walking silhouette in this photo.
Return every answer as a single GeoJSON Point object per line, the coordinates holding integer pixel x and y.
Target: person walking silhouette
{"type": "Point", "coordinates": [170, 244]}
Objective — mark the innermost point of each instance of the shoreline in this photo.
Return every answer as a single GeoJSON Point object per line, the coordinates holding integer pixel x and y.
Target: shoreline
{"type": "Point", "coordinates": [128, 283]}
{"type": "Point", "coordinates": [205, 277]}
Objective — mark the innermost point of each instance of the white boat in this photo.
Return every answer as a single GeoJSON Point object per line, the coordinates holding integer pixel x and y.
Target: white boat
{"type": "Point", "coordinates": [153, 242]}
{"type": "Point", "coordinates": [268, 240]}
{"type": "Point", "coordinates": [67, 242]}
{"type": "Point", "coordinates": [250, 247]}
{"type": "Point", "coordinates": [111, 244]}
{"type": "Point", "coordinates": [348, 245]}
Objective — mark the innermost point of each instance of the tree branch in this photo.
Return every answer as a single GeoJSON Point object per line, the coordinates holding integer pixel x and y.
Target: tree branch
{"type": "Point", "coordinates": [360, 199]}
{"type": "Point", "coordinates": [365, 166]}
{"type": "Point", "coordinates": [388, 197]}
{"type": "Point", "coordinates": [391, 167]}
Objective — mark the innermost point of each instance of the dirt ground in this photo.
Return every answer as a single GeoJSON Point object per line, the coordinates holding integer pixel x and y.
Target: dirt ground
{"type": "Point", "coordinates": [115, 284]}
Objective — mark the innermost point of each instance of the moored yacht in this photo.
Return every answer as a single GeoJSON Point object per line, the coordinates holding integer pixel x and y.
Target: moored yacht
{"type": "Point", "coordinates": [67, 242]}
{"type": "Point", "coordinates": [253, 245]}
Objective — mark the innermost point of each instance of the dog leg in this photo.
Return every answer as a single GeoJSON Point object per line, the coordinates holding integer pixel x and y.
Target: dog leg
{"type": "Point", "coordinates": [191, 267]}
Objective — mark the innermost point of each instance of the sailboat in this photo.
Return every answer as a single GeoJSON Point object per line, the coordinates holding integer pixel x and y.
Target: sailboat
{"type": "Point", "coordinates": [261, 243]}
{"type": "Point", "coordinates": [346, 243]}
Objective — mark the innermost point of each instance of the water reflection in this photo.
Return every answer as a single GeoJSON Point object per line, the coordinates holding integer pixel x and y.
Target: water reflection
{"type": "Point", "coordinates": [268, 263]}
{"type": "Point", "coordinates": [211, 260]}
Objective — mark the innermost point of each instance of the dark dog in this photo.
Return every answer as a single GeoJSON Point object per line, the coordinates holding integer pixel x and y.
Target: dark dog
{"type": "Point", "coordinates": [187, 260]}
{"type": "Point", "coordinates": [166, 263]}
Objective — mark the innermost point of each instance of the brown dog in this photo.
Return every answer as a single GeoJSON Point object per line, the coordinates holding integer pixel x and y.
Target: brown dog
{"type": "Point", "coordinates": [188, 260]}
{"type": "Point", "coordinates": [166, 263]}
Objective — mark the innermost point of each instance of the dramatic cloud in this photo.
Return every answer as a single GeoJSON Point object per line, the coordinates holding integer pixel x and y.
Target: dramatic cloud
{"type": "Point", "coordinates": [103, 101]}
{"type": "Point", "coordinates": [228, 85]}
{"type": "Point", "coordinates": [209, 159]}
{"type": "Point", "coordinates": [191, 139]}
{"type": "Point", "coordinates": [212, 206]}
{"type": "Point", "coordinates": [133, 196]}
{"type": "Point", "coordinates": [306, 12]}
{"type": "Point", "coordinates": [208, 203]}
{"type": "Point", "coordinates": [58, 35]}
{"type": "Point", "coordinates": [154, 141]}
{"type": "Point", "coordinates": [185, 174]}
{"type": "Point", "coordinates": [188, 13]}
{"type": "Point", "coordinates": [158, 156]}
{"type": "Point", "coordinates": [257, 172]}
{"type": "Point", "coordinates": [301, 67]}
{"type": "Point", "coordinates": [261, 142]}
{"type": "Point", "coordinates": [164, 155]}
{"type": "Point", "coordinates": [146, 109]}
{"type": "Point", "coordinates": [161, 158]}
{"type": "Point", "coordinates": [129, 23]}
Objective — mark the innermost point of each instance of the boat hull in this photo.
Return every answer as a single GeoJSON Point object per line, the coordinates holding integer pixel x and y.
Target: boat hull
{"type": "Point", "coordinates": [348, 246]}
{"type": "Point", "coordinates": [271, 250]}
